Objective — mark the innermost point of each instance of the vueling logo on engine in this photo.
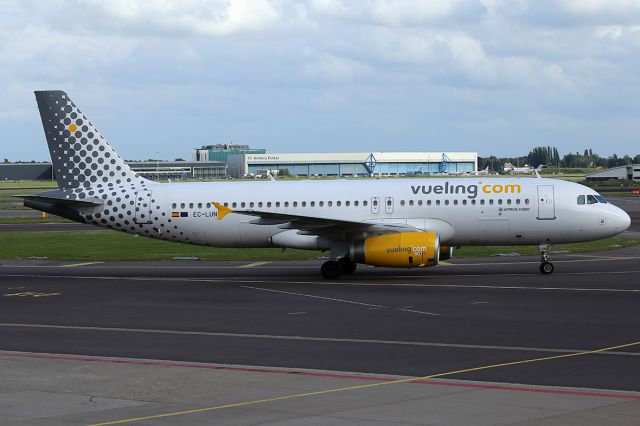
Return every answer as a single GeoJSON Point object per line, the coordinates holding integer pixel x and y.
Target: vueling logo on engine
{"type": "Point", "coordinates": [471, 191]}
{"type": "Point", "coordinates": [409, 249]}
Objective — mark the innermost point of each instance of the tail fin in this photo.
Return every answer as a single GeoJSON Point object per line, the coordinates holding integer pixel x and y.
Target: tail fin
{"type": "Point", "coordinates": [80, 155]}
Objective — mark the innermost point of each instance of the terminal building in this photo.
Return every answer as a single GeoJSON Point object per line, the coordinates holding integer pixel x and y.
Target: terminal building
{"type": "Point", "coordinates": [153, 170]}
{"type": "Point", "coordinates": [353, 164]}
{"type": "Point", "coordinates": [630, 172]}
{"type": "Point", "coordinates": [221, 152]}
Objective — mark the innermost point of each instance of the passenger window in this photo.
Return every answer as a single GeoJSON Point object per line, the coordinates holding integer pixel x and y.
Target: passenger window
{"type": "Point", "coordinates": [208, 205]}
{"type": "Point", "coordinates": [455, 202]}
{"type": "Point", "coordinates": [234, 205]}
{"type": "Point", "coordinates": [437, 202]}
{"type": "Point", "coordinates": [491, 202]}
{"type": "Point", "coordinates": [509, 201]}
{"type": "Point", "coordinates": [517, 200]}
{"type": "Point", "coordinates": [242, 204]}
{"type": "Point", "coordinates": [580, 199]}
{"type": "Point", "coordinates": [268, 203]}
{"type": "Point", "coordinates": [304, 204]}
{"type": "Point", "coordinates": [591, 199]}
{"type": "Point", "coordinates": [226, 204]}
{"type": "Point", "coordinates": [464, 202]}
{"type": "Point", "coordinates": [312, 204]}
{"type": "Point", "coordinates": [321, 204]}
{"type": "Point", "coordinates": [182, 205]}
{"type": "Point", "coordinates": [365, 203]}
{"type": "Point", "coordinates": [419, 202]}
{"type": "Point", "coordinates": [355, 203]}
{"type": "Point", "coordinates": [199, 205]}
{"type": "Point", "coordinates": [500, 201]}
{"type": "Point", "coordinates": [251, 204]}
{"type": "Point", "coordinates": [339, 203]}
{"type": "Point", "coordinates": [190, 205]}
{"type": "Point", "coordinates": [526, 201]}
{"type": "Point", "coordinates": [174, 205]}
{"type": "Point", "coordinates": [286, 204]}
{"type": "Point", "coordinates": [277, 203]}
{"type": "Point", "coordinates": [295, 204]}
{"type": "Point", "coordinates": [346, 203]}
{"type": "Point", "coordinates": [260, 204]}
{"type": "Point", "coordinates": [428, 202]}
{"type": "Point", "coordinates": [401, 202]}
{"type": "Point", "coordinates": [329, 203]}
{"type": "Point", "coordinates": [473, 202]}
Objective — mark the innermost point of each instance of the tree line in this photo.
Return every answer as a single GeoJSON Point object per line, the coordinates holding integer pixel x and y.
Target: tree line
{"type": "Point", "coordinates": [550, 157]}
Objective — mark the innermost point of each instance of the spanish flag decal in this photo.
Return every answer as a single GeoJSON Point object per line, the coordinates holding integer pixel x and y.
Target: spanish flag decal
{"type": "Point", "coordinates": [175, 214]}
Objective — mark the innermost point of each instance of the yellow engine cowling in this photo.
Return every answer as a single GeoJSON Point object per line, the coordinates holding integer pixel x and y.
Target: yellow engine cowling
{"type": "Point", "coordinates": [446, 252]}
{"type": "Point", "coordinates": [399, 250]}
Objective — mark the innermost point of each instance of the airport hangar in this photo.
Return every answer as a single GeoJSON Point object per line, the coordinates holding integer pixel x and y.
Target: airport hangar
{"type": "Point", "coordinates": [629, 172]}
{"type": "Point", "coordinates": [231, 163]}
{"type": "Point", "coordinates": [353, 164]}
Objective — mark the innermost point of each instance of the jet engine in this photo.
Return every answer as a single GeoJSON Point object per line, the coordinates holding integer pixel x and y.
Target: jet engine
{"type": "Point", "coordinates": [399, 250]}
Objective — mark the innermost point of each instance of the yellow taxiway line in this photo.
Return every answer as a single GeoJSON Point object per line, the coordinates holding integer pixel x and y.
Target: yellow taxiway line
{"type": "Point", "coordinates": [369, 385]}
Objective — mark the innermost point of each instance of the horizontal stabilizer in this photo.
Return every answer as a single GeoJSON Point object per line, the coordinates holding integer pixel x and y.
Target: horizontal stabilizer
{"type": "Point", "coordinates": [61, 198]}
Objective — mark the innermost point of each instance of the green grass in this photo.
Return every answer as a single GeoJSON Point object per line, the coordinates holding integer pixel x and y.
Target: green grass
{"type": "Point", "coordinates": [112, 245]}
{"type": "Point", "coordinates": [12, 220]}
{"type": "Point", "coordinates": [598, 245]}
{"type": "Point", "coordinates": [29, 184]}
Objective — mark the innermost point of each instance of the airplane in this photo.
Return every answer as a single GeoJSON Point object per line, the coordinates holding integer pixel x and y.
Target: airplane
{"type": "Point", "coordinates": [508, 167]}
{"type": "Point", "coordinates": [402, 223]}
{"type": "Point", "coordinates": [483, 172]}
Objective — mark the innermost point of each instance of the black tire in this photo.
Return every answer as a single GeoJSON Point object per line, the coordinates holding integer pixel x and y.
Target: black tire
{"type": "Point", "coordinates": [546, 268]}
{"type": "Point", "coordinates": [347, 265]}
{"type": "Point", "coordinates": [331, 269]}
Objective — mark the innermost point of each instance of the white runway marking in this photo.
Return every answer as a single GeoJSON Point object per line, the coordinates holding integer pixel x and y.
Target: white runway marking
{"type": "Point", "coordinates": [73, 265]}
{"type": "Point", "coordinates": [253, 265]}
{"type": "Point", "coordinates": [308, 338]}
{"type": "Point", "coordinates": [339, 300]}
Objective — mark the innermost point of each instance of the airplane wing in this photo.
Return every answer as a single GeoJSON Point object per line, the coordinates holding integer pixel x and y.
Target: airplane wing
{"type": "Point", "coordinates": [315, 225]}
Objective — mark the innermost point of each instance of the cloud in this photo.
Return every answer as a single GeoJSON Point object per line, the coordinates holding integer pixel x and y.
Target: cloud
{"type": "Point", "coordinates": [336, 69]}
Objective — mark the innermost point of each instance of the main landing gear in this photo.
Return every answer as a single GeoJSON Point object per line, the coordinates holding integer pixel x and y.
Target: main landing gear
{"type": "Point", "coordinates": [332, 269]}
{"type": "Point", "coordinates": [546, 267]}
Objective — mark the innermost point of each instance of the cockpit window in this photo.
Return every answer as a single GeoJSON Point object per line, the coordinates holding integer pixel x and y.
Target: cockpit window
{"type": "Point", "coordinates": [600, 198]}
{"type": "Point", "coordinates": [580, 199]}
{"type": "Point", "coordinates": [591, 199]}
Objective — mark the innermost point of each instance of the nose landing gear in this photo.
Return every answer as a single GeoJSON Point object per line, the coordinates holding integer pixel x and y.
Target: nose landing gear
{"type": "Point", "coordinates": [546, 267]}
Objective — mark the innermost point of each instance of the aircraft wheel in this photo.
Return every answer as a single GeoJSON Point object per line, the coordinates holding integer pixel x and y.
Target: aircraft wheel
{"type": "Point", "coordinates": [331, 269]}
{"type": "Point", "coordinates": [546, 267]}
{"type": "Point", "coordinates": [347, 265]}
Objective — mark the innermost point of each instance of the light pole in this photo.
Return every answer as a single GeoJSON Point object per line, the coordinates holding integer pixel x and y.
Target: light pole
{"type": "Point", "coordinates": [158, 165]}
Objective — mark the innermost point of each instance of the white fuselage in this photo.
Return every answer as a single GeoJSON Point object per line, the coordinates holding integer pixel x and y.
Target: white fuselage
{"type": "Point", "coordinates": [464, 211]}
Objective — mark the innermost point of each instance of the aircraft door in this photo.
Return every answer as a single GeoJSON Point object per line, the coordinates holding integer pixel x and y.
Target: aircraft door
{"type": "Point", "coordinates": [375, 205]}
{"type": "Point", "coordinates": [546, 205]}
{"type": "Point", "coordinates": [143, 207]}
{"type": "Point", "coordinates": [388, 205]}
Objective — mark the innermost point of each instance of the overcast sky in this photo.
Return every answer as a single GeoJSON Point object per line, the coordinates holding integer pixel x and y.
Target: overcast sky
{"type": "Point", "coordinates": [493, 76]}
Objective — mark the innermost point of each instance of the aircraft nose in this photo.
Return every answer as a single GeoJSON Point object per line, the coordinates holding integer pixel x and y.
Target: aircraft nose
{"type": "Point", "coordinates": [620, 220]}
